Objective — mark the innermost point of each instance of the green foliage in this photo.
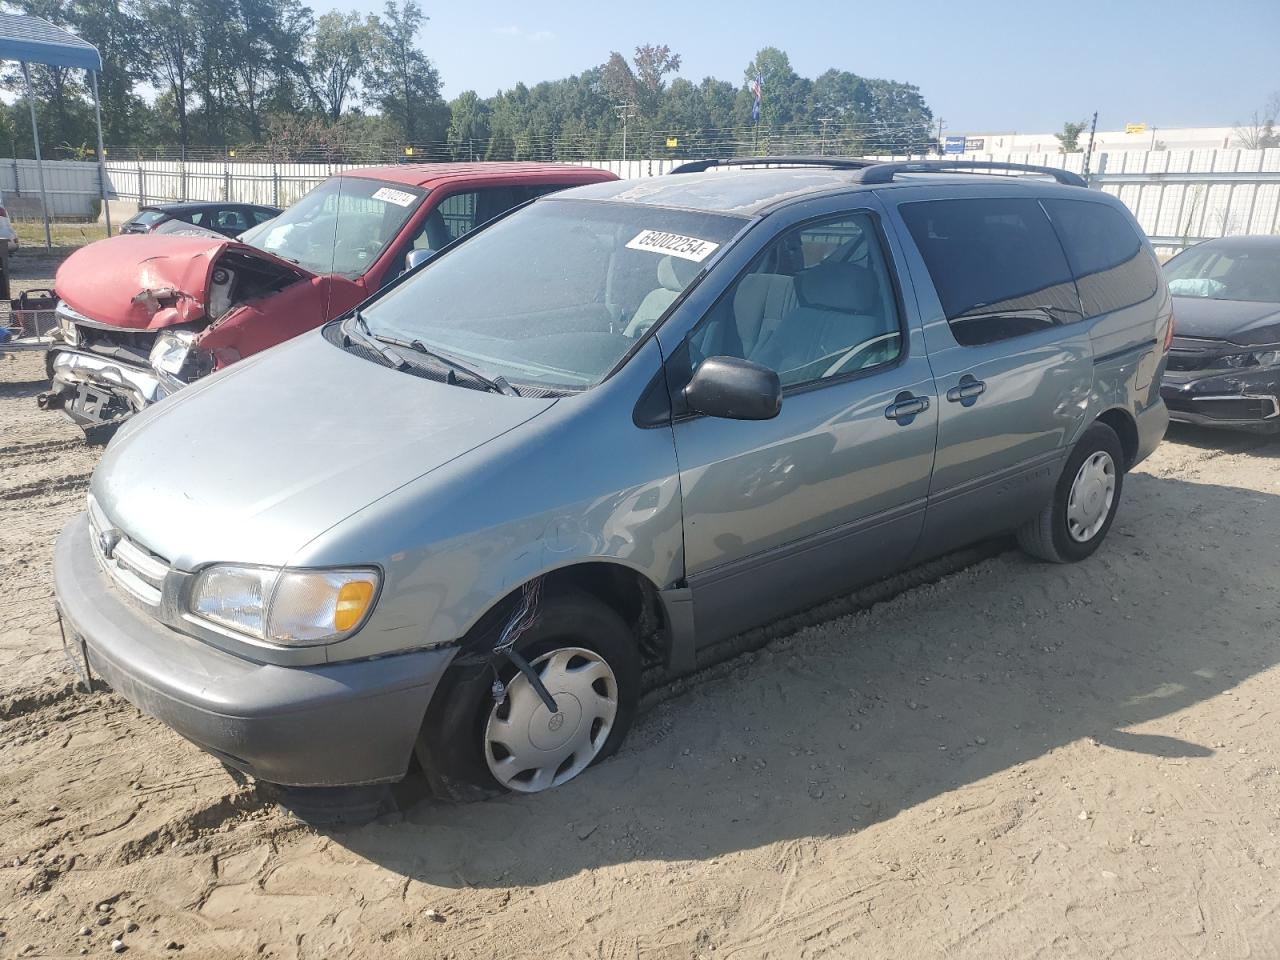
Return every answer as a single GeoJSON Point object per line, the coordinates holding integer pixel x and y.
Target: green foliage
{"type": "Point", "coordinates": [337, 50]}
{"type": "Point", "coordinates": [1069, 138]}
{"type": "Point", "coordinates": [348, 86]}
{"type": "Point", "coordinates": [401, 80]}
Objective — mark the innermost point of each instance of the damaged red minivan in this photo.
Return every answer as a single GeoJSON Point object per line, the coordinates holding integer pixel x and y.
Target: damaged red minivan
{"type": "Point", "coordinates": [139, 317]}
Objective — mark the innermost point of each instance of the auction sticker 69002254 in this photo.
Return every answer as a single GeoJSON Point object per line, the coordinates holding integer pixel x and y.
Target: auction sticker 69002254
{"type": "Point", "coordinates": [673, 244]}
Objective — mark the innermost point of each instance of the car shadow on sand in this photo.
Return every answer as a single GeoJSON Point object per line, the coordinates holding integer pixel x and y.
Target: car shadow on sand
{"type": "Point", "coordinates": [1217, 440]}
{"type": "Point", "coordinates": [851, 722]}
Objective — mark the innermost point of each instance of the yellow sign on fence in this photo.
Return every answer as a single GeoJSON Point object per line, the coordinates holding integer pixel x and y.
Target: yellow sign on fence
{"type": "Point", "coordinates": [1135, 128]}
{"type": "Point", "coordinates": [673, 142]}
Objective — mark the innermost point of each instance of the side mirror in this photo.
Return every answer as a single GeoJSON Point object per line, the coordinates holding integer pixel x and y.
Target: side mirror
{"type": "Point", "coordinates": [734, 389]}
{"type": "Point", "coordinates": [416, 258]}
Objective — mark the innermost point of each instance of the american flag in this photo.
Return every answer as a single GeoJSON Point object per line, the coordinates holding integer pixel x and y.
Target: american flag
{"type": "Point", "coordinates": [756, 86]}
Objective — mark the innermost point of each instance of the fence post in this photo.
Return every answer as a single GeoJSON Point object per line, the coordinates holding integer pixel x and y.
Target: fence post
{"type": "Point", "coordinates": [275, 183]}
{"type": "Point", "coordinates": [226, 180]}
{"type": "Point", "coordinates": [142, 186]}
{"type": "Point", "coordinates": [1100, 172]}
{"type": "Point", "coordinates": [182, 170]}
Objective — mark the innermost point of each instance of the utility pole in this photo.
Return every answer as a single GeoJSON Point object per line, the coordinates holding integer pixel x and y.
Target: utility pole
{"type": "Point", "coordinates": [940, 127]}
{"type": "Point", "coordinates": [822, 148]}
{"type": "Point", "coordinates": [625, 113]}
{"type": "Point", "coordinates": [1088, 154]}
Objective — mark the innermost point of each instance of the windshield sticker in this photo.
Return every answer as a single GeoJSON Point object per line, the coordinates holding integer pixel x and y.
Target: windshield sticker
{"type": "Point", "coordinates": [672, 244]}
{"type": "Point", "coordinates": [398, 197]}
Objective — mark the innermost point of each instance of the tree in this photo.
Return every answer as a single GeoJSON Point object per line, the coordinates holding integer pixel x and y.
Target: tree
{"type": "Point", "coordinates": [617, 80]}
{"type": "Point", "coordinates": [783, 92]}
{"type": "Point", "coordinates": [468, 125]}
{"type": "Point", "coordinates": [653, 62]}
{"type": "Point", "coordinates": [114, 30]}
{"type": "Point", "coordinates": [169, 32]}
{"type": "Point", "coordinates": [1260, 132]}
{"type": "Point", "coordinates": [337, 52]}
{"type": "Point", "coordinates": [212, 76]}
{"type": "Point", "coordinates": [1069, 138]}
{"type": "Point", "coordinates": [400, 79]}
{"type": "Point", "coordinates": [267, 39]}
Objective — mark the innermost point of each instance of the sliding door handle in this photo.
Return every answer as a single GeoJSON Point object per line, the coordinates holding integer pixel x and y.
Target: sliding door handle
{"type": "Point", "coordinates": [967, 391]}
{"type": "Point", "coordinates": [906, 407]}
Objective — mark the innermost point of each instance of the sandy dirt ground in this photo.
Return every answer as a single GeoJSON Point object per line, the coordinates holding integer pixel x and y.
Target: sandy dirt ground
{"type": "Point", "coordinates": [1018, 760]}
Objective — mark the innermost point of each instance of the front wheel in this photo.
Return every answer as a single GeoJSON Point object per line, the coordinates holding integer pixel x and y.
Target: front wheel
{"type": "Point", "coordinates": [1076, 520]}
{"type": "Point", "coordinates": [471, 746]}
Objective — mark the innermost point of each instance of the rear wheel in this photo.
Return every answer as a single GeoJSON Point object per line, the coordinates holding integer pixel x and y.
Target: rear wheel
{"type": "Point", "coordinates": [471, 746]}
{"type": "Point", "coordinates": [1073, 524]}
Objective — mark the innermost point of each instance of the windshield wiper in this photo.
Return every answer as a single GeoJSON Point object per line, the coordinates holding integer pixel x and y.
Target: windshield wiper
{"type": "Point", "coordinates": [496, 384]}
{"type": "Point", "coordinates": [366, 339]}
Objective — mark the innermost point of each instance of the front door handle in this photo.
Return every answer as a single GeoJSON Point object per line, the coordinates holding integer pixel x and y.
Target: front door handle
{"type": "Point", "coordinates": [967, 391]}
{"type": "Point", "coordinates": [906, 407]}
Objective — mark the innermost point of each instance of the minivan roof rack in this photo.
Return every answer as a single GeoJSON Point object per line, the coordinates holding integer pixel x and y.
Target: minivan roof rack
{"type": "Point", "coordinates": [837, 163]}
{"type": "Point", "coordinates": [885, 172]}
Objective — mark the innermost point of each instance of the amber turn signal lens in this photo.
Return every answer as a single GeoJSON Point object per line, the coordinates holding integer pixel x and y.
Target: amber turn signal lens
{"type": "Point", "coordinates": [353, 601]}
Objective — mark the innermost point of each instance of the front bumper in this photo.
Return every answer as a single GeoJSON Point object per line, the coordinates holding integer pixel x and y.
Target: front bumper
{"type": "Point", "coordinates": [332, 725]}
{"type": "Point", "coordinates": [93, 390]}
{"type": "Point", "coordinates": [1247, 400]}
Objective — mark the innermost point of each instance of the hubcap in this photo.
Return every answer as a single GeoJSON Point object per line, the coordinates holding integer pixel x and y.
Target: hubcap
{"type": "Point", "coordinates": [1092, 493]}
{"type": "Point", "coordinates": [527, 747]}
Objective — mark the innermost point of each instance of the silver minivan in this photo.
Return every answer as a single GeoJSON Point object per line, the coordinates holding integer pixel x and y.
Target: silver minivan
{"type": "Point", "coordinates": [464, 524]}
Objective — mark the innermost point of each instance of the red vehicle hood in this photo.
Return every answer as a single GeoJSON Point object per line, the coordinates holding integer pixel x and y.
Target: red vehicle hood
{"type": "Point", "coordinates": [147, 281]}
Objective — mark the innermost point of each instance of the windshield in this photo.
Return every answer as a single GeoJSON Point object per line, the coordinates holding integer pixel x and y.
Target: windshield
{"type": "Point", "coordinates": [339, 227]}
{"type": "Point", "coordinates": [1226, 273]}
{"type": "Point", "coordinates": [147, 217]}
{"type": "Point", "coordinates": [557, 293]}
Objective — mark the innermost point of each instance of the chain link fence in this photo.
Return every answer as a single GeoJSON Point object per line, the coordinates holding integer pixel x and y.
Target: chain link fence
{"type": "Point", "coordinates": [1178, 196]}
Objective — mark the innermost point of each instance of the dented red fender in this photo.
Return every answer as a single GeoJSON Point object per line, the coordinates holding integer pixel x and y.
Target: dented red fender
{"type": "Point", "coordinates": [264, 322]}
{"type": "Point", "coordinates": [146, 281]}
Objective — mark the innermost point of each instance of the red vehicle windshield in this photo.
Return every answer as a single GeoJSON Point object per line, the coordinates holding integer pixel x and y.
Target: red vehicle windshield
{"type": "Point", "coordinates": [342, 226]}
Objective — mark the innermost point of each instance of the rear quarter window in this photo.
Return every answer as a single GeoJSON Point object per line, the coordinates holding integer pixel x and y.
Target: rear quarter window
{"type": "Point", "coordinates": [996, 264]}
{"type": "Point", "coordinates": [1113, 270]}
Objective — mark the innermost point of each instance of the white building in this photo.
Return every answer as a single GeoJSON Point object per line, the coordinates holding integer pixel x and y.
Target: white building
{"type": "Point", "coordinates": [1149, 138]}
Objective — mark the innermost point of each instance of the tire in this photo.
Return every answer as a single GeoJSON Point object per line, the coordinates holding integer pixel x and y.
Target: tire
{"type": "Point", "coordinates": [1056, 533]}
{"type": "Point", "coordinates": [456, 748]}
{"type": "Point", "coordinates": [100, 435]}
{"type": "Point", "coordinates": [332, 806]}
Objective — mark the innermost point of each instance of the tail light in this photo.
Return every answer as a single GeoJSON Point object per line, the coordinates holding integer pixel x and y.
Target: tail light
{"type": "Point", "coordinates": [1168, 334]}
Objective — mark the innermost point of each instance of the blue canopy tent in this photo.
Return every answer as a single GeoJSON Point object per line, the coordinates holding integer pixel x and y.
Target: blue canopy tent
{"type": "Point", "coordinates": [28, 40]}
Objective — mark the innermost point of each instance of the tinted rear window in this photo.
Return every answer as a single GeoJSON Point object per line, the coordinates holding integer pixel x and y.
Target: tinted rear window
{"type": "Point", "coordinates": [148, 217]}
{"type": "Point", "coordinates": [1112, 268]}
{"type": "Point", "coordinates": [997, 266]}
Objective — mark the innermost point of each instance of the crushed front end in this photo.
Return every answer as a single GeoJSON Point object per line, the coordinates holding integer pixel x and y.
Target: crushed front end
{"type": "Point", "coordinates": [139, 317]}
{"type": "Point", "coordinates": [1218, 383]}
{"type": "Point", "coordinates": [101, 374]}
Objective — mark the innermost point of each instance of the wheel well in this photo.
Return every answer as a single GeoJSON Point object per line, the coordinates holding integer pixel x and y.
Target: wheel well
{"type": "Point", "coordinates": [1122, 423]}
{"type": "Point", "coordinates": [627, 593]}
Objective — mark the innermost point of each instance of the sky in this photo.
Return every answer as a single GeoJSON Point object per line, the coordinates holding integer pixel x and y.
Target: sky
{"type": "Point", "coordinates": [992, 66]}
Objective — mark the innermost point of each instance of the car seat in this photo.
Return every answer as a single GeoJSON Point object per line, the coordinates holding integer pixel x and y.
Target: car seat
{"type": "Point", "coordinates": [838, 307]}
{"type": "Point", "coordinates": [759, 304]}
{"type": "Point", "coordinates": [673, 275]}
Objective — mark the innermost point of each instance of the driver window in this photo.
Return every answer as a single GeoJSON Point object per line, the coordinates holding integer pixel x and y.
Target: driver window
{"type": "Point", "coordinates": [817, 303]}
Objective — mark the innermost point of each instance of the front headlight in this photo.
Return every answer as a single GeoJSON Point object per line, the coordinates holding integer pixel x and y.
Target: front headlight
{"type": "Point", "coordinates": [290, 607]}
{"type": "Point", "coordinates": [1256, 358]}
{"type": "Point", "coordinates": [66, 325]}
{"type": "Point", "coordinates": [169, 353]}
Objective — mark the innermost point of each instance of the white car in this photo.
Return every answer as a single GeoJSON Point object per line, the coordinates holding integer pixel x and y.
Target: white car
{"type": "Point", "coordinates": [7, 234]}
